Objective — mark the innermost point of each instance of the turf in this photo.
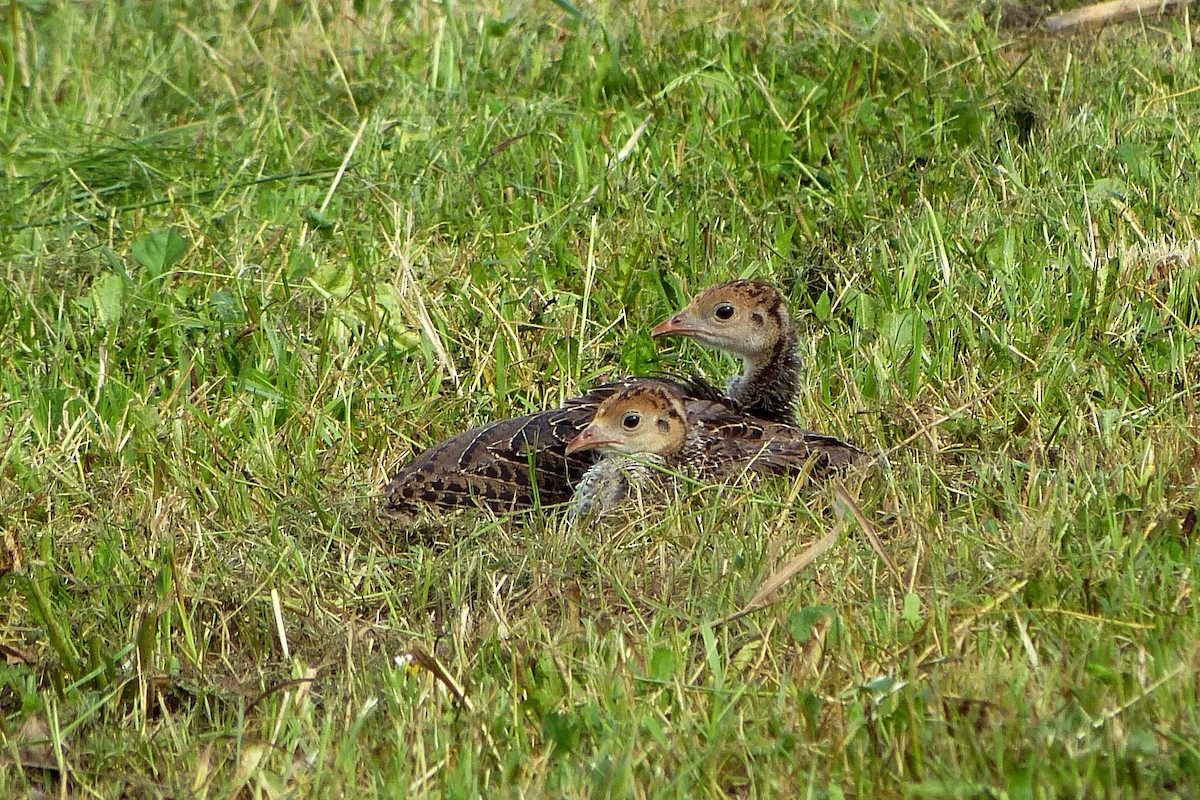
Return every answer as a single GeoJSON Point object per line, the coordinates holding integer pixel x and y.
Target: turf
{"type": "Point", "coordinates": [257, 255]}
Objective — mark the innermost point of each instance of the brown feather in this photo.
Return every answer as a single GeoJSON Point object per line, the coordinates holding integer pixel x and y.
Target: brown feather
{"type": "Point", "coordinates": [513, 463]}
{"type": "Point", "coordinates": [707, 439]}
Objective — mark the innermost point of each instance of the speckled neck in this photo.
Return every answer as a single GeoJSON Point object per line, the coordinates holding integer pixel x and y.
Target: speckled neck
{"type": "Point", "coordinates": [768, 388]}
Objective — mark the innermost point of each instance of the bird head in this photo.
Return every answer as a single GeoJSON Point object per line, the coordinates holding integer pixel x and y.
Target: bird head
{"type": "Point", "coordinates": [745, 318]}
{"type": "Point", "coordinates": [645, 418]}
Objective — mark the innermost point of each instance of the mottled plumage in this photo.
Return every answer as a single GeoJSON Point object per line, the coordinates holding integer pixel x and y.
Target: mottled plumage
{"type": "Point", "coordinates": [512, 463]}
{"type": "Point", "coordinates": [749, 319]}
{"type": "Point", "coordinates": [707, 439]}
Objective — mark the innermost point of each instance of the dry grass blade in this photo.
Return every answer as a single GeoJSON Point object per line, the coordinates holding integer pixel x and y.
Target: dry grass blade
{"type": "Point", "coordinates": [410, 287]}
{"type": "Point", "coordinates": [293, 683]}
{"type": "Point", "coordinates": [763, 597]}
{"type": "Point", "coordinates": [11, 557]}
{"type": "Point", "coordinates": [428, 662]}
{"type": "Point", "coordinates": [962, 627]}
{"type": "Point", "coordinates": [896, 448]}
{"type": "Point", "coordinates": [341, 172]}
{"type": "Point", "coordinates": [868, 530]}
{"type": "Point", "coordinates": [1113, 11]}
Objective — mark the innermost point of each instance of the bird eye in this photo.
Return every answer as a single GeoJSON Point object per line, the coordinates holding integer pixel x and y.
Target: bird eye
{"type": "Point", "coordinates": [724, 312]}
{"type": "Point", "coordinates": [631, 421]}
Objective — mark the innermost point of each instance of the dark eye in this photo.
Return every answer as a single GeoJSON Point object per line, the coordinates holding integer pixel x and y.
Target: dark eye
{"type": "Point", "coordinates": [724, 312]}
{"type": "Point", "coordinates": [631, 421]}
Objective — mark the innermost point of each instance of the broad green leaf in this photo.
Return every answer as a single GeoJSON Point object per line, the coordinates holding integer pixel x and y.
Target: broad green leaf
{"type": "Point", "coordinates": [912, 609]}
{"type": "Point", "coordinates": [801, 623]}
{"type": "Point", "coordinates": [662, 663]}
{"type": "Point", "coordinates": [159, 251]}
{"type": "Point", "coordinates": [333, 276]}
{"type": "Point", "coordinates": [108, 299]}
{"type": "Point", "coordinates": [821, 309]}
{"type": "Point", "coordinates": [394, 325]}
{"type": "Point", "coordinates": [318, 219]}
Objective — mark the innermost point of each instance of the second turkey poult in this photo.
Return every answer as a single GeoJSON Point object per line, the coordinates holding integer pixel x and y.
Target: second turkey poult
{"type": "Point", "coordinates": [748, 319]}
{"type": "Point", "coordinates": [649, 429]}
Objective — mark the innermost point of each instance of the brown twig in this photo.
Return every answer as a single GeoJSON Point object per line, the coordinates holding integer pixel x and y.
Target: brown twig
{"type": "Point", "coordinates": [1103, 13]}
{"type": "Point", "coordinates": [763, 597]}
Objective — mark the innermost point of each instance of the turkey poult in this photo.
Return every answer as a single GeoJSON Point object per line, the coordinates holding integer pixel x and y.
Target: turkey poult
{"type": "Point", "coordinates": [512, 464]}
{"type": "Point", "coordinates": [749, 319]}
{"type": "Point", "coordinates": [649, 428]}
{"type": "Point", "coordinates": [518, 463]}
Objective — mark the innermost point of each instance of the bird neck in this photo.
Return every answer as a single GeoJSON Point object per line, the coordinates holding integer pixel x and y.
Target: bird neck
{"type": "Point", "coordinates": [768, 387]}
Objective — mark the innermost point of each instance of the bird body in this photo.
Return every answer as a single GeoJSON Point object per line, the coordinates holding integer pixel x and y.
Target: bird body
{"type": "Point", "coordinates": [542, 458]}
{"type": "Point", "coordinates": [653, 424]}
{"type": "Point", "coordinates": [513, 463]}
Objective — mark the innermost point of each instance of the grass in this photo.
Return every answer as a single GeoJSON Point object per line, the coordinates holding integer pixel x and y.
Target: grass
{"type": "Point", "coordinates": [255, 256]}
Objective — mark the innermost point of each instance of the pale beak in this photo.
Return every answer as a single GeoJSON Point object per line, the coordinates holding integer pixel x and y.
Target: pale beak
{"type": "Point", "coordinates": [678, 325]}
{"type": "Point", "coordinates": [588, 439]}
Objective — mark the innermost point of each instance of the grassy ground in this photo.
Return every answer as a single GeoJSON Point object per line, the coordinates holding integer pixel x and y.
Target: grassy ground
{"type": "Point", "coordinates": [218, 343]}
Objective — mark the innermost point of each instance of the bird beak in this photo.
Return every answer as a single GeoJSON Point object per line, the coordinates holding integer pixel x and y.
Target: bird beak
{"type": "Point", "coordinates": [678, 325]}
{"type": "Point", "coordinates": [588, 439]}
